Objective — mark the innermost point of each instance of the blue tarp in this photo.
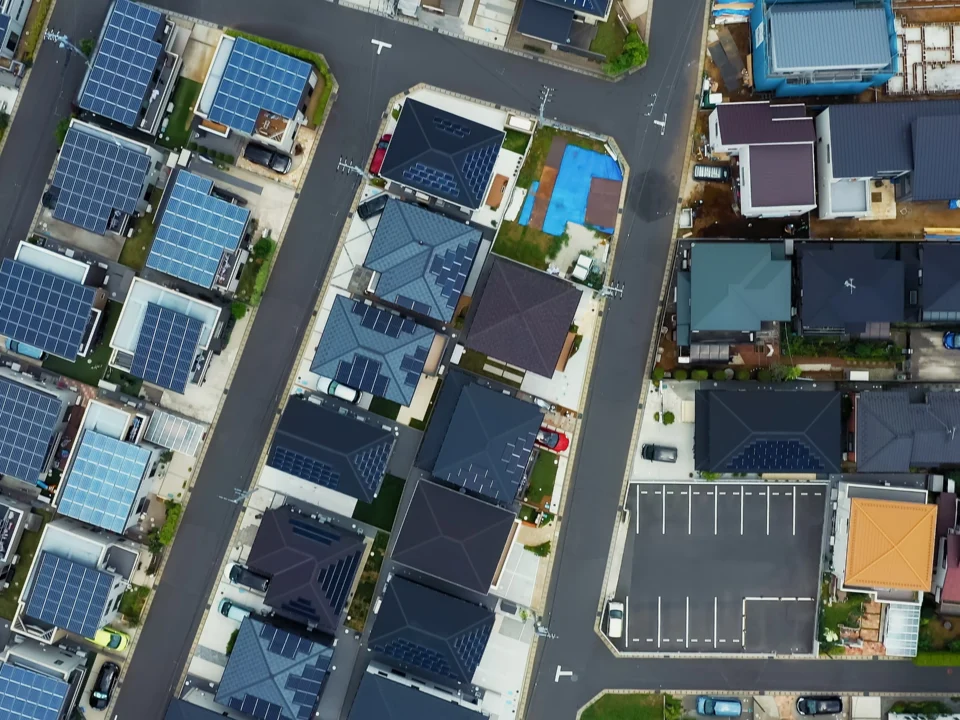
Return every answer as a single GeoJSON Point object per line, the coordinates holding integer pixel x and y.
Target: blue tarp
{"type": "Point", "coordinates": [527, 208]}
{"type": "Point", "coordinates": [568, 203]}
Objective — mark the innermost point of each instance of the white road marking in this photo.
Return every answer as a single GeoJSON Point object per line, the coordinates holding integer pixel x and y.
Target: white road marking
{"type": "Point", "coordinates": [716, 499]}
{"type": "Point", "coordinates": [626, 622]}
{"type": "Point", "coordinates": [636, 639]}
{"type": "Point", "coordinates": [748, 493]}
{"type": "Point", "coordinates": [643, 492]}
{"type": "Point", "coordinates": [804, 494]}
{"type": "Point", "coordinates": [638, 511]}
{"type": "Point", "coordinates": [669, 492]}
{"type": "Point", "coordinates": [679, 639]}
{"type": "Point", "coordinates": [684, 492]}
{"type": "Point", "coordinates": [722, 640]}
{"type": "Point", "coordinates": [723, 492]}
{"type": "Point", "coordinates": [693, 640]}
{"type": "Point", "coordinates": [818, 494]}
{"type": "Point", "coordinates": [658, 621]}
{"type": "Point", "coordinates": [686, 632]}
{"type": "Point", "coordinates": [709, 492]}
{"type": "Point", "coordinates": [768, 511]}
{"type": "Point", "coordinates": [696, 492]}
{"type": "Point", "coordinates": [741, 511]}
{"type": "Point", "coordinates": [380, 45]}
{"type": "Point", "coordinates": [663, 507]}
{"type": "Point", "coordinates": [649, 639]}
{"type": "Point", "coordinates": [776, 493]}
{"type": "Point", "coordinates": [714, 620]}
{"type": "Point", "coordinates": [794, 510]}
{"type": "Point", "coordinates": [656, 492]}
{"type": "Point", "coordinates": [689, 512]}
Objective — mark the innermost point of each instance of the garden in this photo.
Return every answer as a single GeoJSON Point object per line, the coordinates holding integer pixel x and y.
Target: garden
{"type": "Point", "coordinates": [29, 542]}
{"type": "Point", "coordinates": [634, 706]}
{"type": "Point", "coordinates": [383, 510]}
{"type": "Point", "coordinates": [363, 597]}
{"type": "Point", "coordinates": [939, 640]}
{"type": "Point", "coordinates": [256, 272]}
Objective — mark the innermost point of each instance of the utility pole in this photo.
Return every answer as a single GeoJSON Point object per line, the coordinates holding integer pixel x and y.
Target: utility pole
{"type": "Point", "coordinates": [545, 93]}
{"type": "Point", "coordinates": [63, 42]}
{"type": "Point", "coordinates": [614, 291]}
{"type": "Point", "coordinates": [348, 167]}
{"type": "Point", "coordinates": [239, 496]}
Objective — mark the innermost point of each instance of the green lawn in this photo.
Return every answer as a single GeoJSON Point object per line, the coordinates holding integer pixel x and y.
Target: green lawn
{"type": "Point", "coordinates": [27, 548]}
{"type": "Point", "coordinates": [128, 384]}
{"type": "Point", "coordinates": [386, 408]}
{"type": "Point", "coordinates": [362, 599]}
{"type": "Point", "coordinates": [516, 141]}
{"type": "Point", "coordinates": [474, 362]}
{"type": "Point", "coordinates": [537, 156]}
{"type": "Point", "coordinates": [136, 248]}
{"type": "Point", "coordinates": [625, 707]}
{"type": "Point", "coordinates": [542, 477]}
{"type": "Point", "coordinates": [383, 510]}
{"type": "Point", "coordinates": [525, 244]}
{"type": "Point", "coordinates": [132, 603]}
{"type": "Point", "coordinates": [609, 39]}
{"type": "Point", "coordinates": [184, 98]}
{"type": "Point", "coordinates": [840, 613]}
{"type": "Point", "coordinates": [89, 370]}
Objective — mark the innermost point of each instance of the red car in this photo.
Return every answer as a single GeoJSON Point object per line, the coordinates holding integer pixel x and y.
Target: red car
{"type": "Point", "coordinates": [379, 154]}
{"type": "Point", "coordinates": [552, 439]}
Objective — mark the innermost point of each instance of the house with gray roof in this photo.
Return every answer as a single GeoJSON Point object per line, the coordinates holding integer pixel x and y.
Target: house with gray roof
{"type": "Point", "coordinates": [182, 710]}
{"type": "Point", "coordinates": [806, 48]}
{"type": "Point", "coordinates": [774, 147]}
{"type": "Point", "coordinates": [899, 430]}
{"type": "Point", "coordinates": [913, 143]}
{"type": "Point", "coordinates": [940, 299]}
{"type": "Point", "coordinates": [383, 696]}
{"type": "Point", "coordinates": [727, 293]}
{"type": "Point", "coordinates": [421, 259]}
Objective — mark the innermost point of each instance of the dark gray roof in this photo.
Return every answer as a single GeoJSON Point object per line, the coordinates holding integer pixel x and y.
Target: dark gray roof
{"type": "Point", "coordinates": [941, 277]}
{"type": "Point", "coordinates": [897, 431]}
{"type": "Point", "coordinates": [936, 150]}
{"type": "Point", "coordinates": [443, 409]}
{"type": "Point", "coordinates": [423, 258]}
{"type": "Point", "coordinates": [273, 674]}
{"type": "Point", "coordinates": [760, 123]}
{"type": "Point", "coordinates": [888, 146]}
{"type": "Point", "coordinates": [846, 285]}
{"type": "Point", "coordinates": [443, 154]}
{"type": "Point", "coordinates": [453, 536]}
{"type": "Point", "coordinates": [545, 21]}
{"type": "Point", "coordinates": [183, 710]}
{"type": "Point", "coordinates": [488, 443]}
{"type": "Point", "coordinates": [430, 633]}
{"type": "Point", "coordinates": [311, 566]}
{"type": "Point", "coordinates": [379, 698]}
{"type": "Point", "coordinates": [523, 317]}
{"type": "Point", "coordinates": [757, 431]}
{"type": "Point", "coordinates": [331, 449]}
{"type": "Point", "coordinates": [782, 175]}
{"type": "Point", "coordinates": [588, 7]}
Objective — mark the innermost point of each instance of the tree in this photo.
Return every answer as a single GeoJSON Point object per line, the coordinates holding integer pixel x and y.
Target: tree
{"type": "Point", "coordinates": [87, 46]}
{"type": "Point", "coordinates": [680, 374]}
{"type": "Point", "coordinates": [699, 375]}
{"type": "Point", "coordinates": [672, 708]}
{"type": "Point", "coordinates": [238, 310]}
{"type": "Point", "coordinates": [634, 53]}
{"type": "Point", "coordinates": [658, 374]}
{"type": "Point", "coordinates": [668, 418]}
{"type": "Point", "coordinates": [719, 375]}
{"type": "Point", "coordinates": [263, 249]}
{"type": "Point", "coordinates": [232, 641]}
{"type": "Point", "coordinates": [764, 375]}
{"type": "Point", "coordinates": [541, 550]}
{"type": "Point", "coordinates": [4, 121]}
{"type": "Point", "coordinates": [743, 374]}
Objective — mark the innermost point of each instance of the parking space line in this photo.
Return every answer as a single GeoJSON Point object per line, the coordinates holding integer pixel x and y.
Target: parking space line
{"type": "Point", "coordinates": [768, 511]}
{"type": "Point", "coordinates": [663, 518]}
{"type": "Point", "coordinates": [715, 500]}
{"type": "Point", "coordinates": [818, 494]}
{"type": "Point", "coordinates": [714, 620]}
{"type": "Point", "coordinates": [638, 511]}
{"type": "Point", "coordinates": [686, 632]}
{"type": "Point", "coordinates": [643, 492]}
{"type": "Point", "coordinates": [669, 492]}
{"type": "Point", "coordinates": [658, 621]}
{"type": "Point", "coordinates": [741, 509]}
{"type": "Point", "coordinates": [689, 510]}
{"type": "Point", "coordinates": [794, 509]}
{"type": "Point", "coordinates": [626, 622]}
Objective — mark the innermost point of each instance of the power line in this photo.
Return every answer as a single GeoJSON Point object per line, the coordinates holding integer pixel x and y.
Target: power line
{"type": "Point", "coordinates": [64, 43]}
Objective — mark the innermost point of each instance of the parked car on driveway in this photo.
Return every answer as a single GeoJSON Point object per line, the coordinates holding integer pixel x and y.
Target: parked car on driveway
{"type": "Point", "coordinates": [659, 453]}
{"type": "Point", "coordinates": [232, 611]}
{"type": "Point", "coordinates": [819, 705]}
{"type": "Point", "coordinates": [372, 207]}
{"type": "Point", "coordinates": [951, 340]}
{"type": "Point", "coordinates": [718, 707]}
{"type": "Point", "coordinates": [103, 687]}
{"type": "Point", "coordinates": [711, 173]}
{"type": "Point", "coordinates": [379, 154]}
{"type": "Point", "coordinates": [330, 386]}
{"type": "Point", "coordinates": [552, 439]}
{"type": "Point", "coordinates": [111, 639]}
{"type": "Point", "coordinates": [241, 576]}
{"type": "Point", "coordinates": [276, 161]}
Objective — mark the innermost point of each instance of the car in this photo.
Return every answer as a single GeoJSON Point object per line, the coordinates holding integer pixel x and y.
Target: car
{"type": "Point", "coordinates": [111, 639]}
{"type": "Point", "coordinates": [241, 576]}
{"type": "Point", "coordinates": [718, 707]}
{"type": "Point", "coordinates": [658, 453]}
{"type": "Point", "coordinates": [372, 207]}
{"type": "Point", "coordinates": [264, 156]}
{"type": "Point", "coordinates": [379, 154]}
{"type": "Point", "coordinates": [711, 173]}
{"type": "Point", "coordinates": [103, 687]}
{"type": "Point", "coordinates": [951, 340]}
{"type": "Point", "coordinates": [332, 387]}
{"type": "Point", "coordinates": [231, 610]}
{"type": "Point", "coordinates": [819, 705]}
{"type": "Point", "coordinates": [614, 619]}
{"type": "Point", "coordinates": [552, 439]}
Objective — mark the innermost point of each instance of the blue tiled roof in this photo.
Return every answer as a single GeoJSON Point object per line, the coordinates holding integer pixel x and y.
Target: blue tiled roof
{"type": "Point", "coordinates": [423, 258]}
{"type": "Point", "coordinates": [29, 695]}
{"type": "Point", "coordinates": [68, 595]}
{"type": "Point", "coordinates": [372, 350]}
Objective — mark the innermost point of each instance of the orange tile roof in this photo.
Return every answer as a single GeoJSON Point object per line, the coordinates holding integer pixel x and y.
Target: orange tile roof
{"type": "Point", "coordinates": [890, 545]}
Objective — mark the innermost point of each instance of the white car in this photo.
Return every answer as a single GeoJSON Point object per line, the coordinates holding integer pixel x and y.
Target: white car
{"type": "Point", "coordinates": [332, 387]}
{"type": "Point", "coordinates": [614, 619]}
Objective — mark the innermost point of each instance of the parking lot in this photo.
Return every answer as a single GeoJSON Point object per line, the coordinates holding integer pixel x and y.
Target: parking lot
{"type": "Point", "coordinates": [931, 361]}
{"type": "Point", "coordinates": [722, 567]}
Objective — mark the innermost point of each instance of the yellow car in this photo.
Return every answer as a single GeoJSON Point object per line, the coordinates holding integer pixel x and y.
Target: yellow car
{"type": "Point", "coordinates": [111, 639]}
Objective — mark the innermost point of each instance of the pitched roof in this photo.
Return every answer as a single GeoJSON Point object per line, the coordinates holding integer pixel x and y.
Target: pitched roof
{"type": "Point", "coordinates": [597, 8]}
{"type": "Point", "coordinates": [182, 710]}
{"type": "Point", "coordinates": [373, 350]}
{"type": "Point", "coordinates": [781, 175]}
{"type": "Point", "coordinates": [273, 674]}
{"type": "Point", "coordinates": [423, 258]}
{"type": "Point", "coordinates": [443, 154]}
{"type": "Point", "coordinates": [443, 409]}
{"type": "Point", "coordinates": [331, 449]}
{"type": "Point", "coordinates": [941, 277]}
{"type": "Point", "coordinates": [737, 286]}
{"type": "Point", "coordinates": [846, 285]}
{"type": "Point", "coordinates": [760, 123]}
{"type": "Point", "coordinates": [379, 698]}
{"type": "Point", "coordinates": [453, 536]}
{"type": "Point", "coordinates": [488, 443]}
{"type": "Point", "coordinates": [828, 35]}
{"type": "Point", "coordinates": [523, 317]}
{"type": "Point", "coordinates": [546, 21]}
{"type": "Point", "coordinates": [951, 584]}
{"type": "Point", "coordinates": [897, 430]}
{"type": "Point", "coordinates": [311, 566]}
{"type": "Point", "coordinates": [760, 431]}
{"type": "Point", "coordinates": [936, 146]}
{"type": "Point", "coordinates": [890, 545]}
{"type": "Point", "coordinates": [946, 513]}
{"type": "Point", "coordinates": [429, 632]}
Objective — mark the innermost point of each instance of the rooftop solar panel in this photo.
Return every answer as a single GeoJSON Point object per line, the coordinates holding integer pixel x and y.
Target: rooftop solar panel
{"type": "Point", "coordinates": [27, 420]}
{"type": "Point", "coordinates": [29, 695]}
{"type": "Point", "coordinates": [68, 595]}
{"type": "Point", "coordinates": [175, 433]}
{"type": "Point", "coordinates": [94, 177]}
{"type": "Point", "coordinates": [166, 347]}
{"type": "Point", "coordinates": [43, 309]}
{"type": "Point", "coordinates": [195, 230]}
{"type": "Point", "coordinates": [4, 25]}
{"type": "Point", "coordinates": [104, 481]}
{"type": "Point", "coordinates": [124, 64]}
{"type": "Point", "coordinates": [258, 78]}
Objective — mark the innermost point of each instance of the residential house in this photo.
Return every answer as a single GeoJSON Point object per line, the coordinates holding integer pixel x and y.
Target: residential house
{"type": "Point", "coordinates": [940, 292]}
{"type": "Point", "coordinates": [947, 576]}
{"type": "Point", "coordinates": [14, 517]}
{"type": "Point", "coordinates": [13, 14]}
{"type": "Point", "coordinates": [563, 23]}
{"type": "Point", "coordinates": [768, 432]}
{"type": "Point", "coordinates": [810, 48]}
{"type": "Point", "coordinates": [40, 682]}
{"type": "Point", "coordinates": [131, 75]}
{"type": "Point", "coordinates": [729, 293]}
{"type": "Point", "coordinates": [906, 142]}
{"type": "Point", "coordinates": [179, 709]}
{"type": "Point", "coordinates": [774, 147]}
{"type": "Point", "coordinates": [384, 694]}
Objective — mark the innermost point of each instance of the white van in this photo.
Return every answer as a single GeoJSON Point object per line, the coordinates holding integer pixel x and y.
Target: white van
{"type": "Point", "coordinates": [614, 619]}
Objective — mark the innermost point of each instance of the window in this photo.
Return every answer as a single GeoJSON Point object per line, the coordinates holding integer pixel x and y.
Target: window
{"type": "Point", "coordinates": [12, 41]}
{"type": "Point", "coordinates": [829, 156]}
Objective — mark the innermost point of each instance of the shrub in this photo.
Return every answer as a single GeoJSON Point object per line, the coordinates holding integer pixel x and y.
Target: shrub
{"type": "Point", "coordinates": [706, 475]}
{"type": "Point", "coordinates": [719, 375]}
{"type": "Point", "coordinates": [656, 417]}
{"type": "Point", "coordinates": [743, 375]}
{"type": "Point", "coordinates": [60, 132]}
{"type": "Point", "coordinates": [395, 113]}
{"type": "Point", "coordinates": [954, 646]}
{"type": "Point", "coordinates": [764, 375]}
{"type": "Point", "coordinates": [232, 641]}
{"type": "Point", "coordinates": [668, 418]}
{"type": "Point", "coordinates": [263, 248]}
{"type": "Point", "coordinates": [680, 374]}
{"type": "Point", "coordinates": [658, 374]}
{"type": "Point", "coordinates": [541, 550]}
{"type": "Point", "coordinates": [699, 375]}
{"type": "Point", "coordinates": [4, 121]}
{"type": "Point", "coordinates": [169, 529]}
{"type": "Point", "coordinates": [634, 54]}
{"type": "Point", "coordinates": [238, 310]}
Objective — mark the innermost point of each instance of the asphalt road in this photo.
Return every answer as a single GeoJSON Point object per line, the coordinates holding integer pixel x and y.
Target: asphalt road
{"type": "Point", "coordinates": [367, 81]}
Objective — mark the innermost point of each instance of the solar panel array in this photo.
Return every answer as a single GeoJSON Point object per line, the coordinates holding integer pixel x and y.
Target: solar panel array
{"type": "Point", "coordinates": [29, 695]}
{"type": "Point", "coordinates": [95, 177]}
{"type": "Point", "coordinates": [419, 656]}
{"type": "Point", "coordinates": [43, 309]}
{"type": "Point", "coordinates": [68, 595]}
{"type": "Point", "coordinates": [124, 64]}
{"type": "Point", "coordinates": [776, 455]}
{"type": "Point", "coordinates": [280, 642]}
{"type": "Point", "coordinates": [477, 167]}
{"type": "Point", "coordinates": [425, 176]}
{"type": "Point", "coordinates": [195, 230]}
{"type": "Point", "coordinates": [303, 467]}
{"type": "Point", "coordinates": [337, 579]}
{"type": "Point", "coordinates": [175, 433]}
{"type": "Point", "coordinates": [104, 481]}
{"type": "Point", "coordinates": [4, 25]}
{"type": "Point", "coordinates": [27, 420]}
{"type": "Point", "coordinates": [255, 78]}
{"type": "Point", "coordinates": [371, 464]}
{"type": "Point", "coordinates": [166, 347]}
{"type": "Point", "coordinates": [451, 270]}
{"type": "Point", "coordinates": [411, 304]}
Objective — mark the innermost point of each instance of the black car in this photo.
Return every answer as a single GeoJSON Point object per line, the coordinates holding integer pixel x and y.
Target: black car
{"type": "Point", "coordinates": [103, 687]}
{"type": "Point", "coordinates": [374, 206]}
{"type": "Point", "coordinates": [276, 161]}
{"type": "Point", "coordinates": [241, 576]}
{"type": "Point", "coordinates": [659, 453]}
{"type": "Point", "coordinates": [827, 705]}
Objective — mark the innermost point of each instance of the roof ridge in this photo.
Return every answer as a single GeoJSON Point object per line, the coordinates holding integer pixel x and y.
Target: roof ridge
{"type": "Point", "coordinates": [719, 398]}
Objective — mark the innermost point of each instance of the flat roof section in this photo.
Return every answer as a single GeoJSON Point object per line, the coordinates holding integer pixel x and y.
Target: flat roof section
{"type": "Point", "coordinates": [144, 293]}
{"type": "Point", "coordinates": [27, 421]}
{"type": "Point", "coordinates": [166, 348]}
{"type": "Point", "coordinates": [891, 545]}
{"type": "Point", "coordinates": [175, 433]}
{"type": "Point", "coordinates": [68, 595]}
{"type": "Point", "coordinates": [53, 262]}
{"type": "Point", "coordinates": [26, 694]}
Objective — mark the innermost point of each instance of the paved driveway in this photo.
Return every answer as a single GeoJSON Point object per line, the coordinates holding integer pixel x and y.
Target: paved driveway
{"type": "Point", "coordinates": [931, 361]}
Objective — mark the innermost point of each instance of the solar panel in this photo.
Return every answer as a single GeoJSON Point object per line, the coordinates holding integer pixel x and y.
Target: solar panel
{"type": "Point", "coordinates": [421, 175]}
{"type": "Point", "coordinates": [42, 309]}
{"type": "Point", "coordinates": [776, 455]}
{"type": "Point", "coordinates": [303, 467]}
{"type": "Point", "coordinates": [195, 231]}
{"type": "Point", "coordinates": [166, 347]}
{"type": "Point", "coordinates": [416, 306]}
{"type": "Point", "coordinates": [362, 373]}
{"type": "Point", "coordinates": [104, 480]}
{"type": "Point", "coordinates": [124, 64]}
{"type": "Point", "coordinates": [337, 580]}
{"type": "Point", "coordinates": [27, 421]}
{"type": "Point", "coordinates": [258, 78]}
{"type": "Point", "coordinates": [68, 595]}
{"type": "Point", "coordinates": [451, 270]}
{"type": "Point", "coordinates": [29, 695]}
{"type": "Point", "coordinates": [280, 642]}
{"type": "Point", "coordinates": [312, 532]}
{"type": "Point", "coordinates": [4, 25]}
{"type": "Point", "coordinates": [175, 433]}
{"type": "Point", "coordinates": [477, 167]}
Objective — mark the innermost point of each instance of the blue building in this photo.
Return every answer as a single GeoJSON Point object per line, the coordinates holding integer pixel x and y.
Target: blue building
{"type": "Point", "coordinates": [804, 48]}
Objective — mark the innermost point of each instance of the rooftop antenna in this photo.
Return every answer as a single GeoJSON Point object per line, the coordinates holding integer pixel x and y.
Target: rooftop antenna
{"type": "Point", "coordinates": [951, 429]}
{"type": "Point", "coordinates": [849, 284]}
{"type": "Point", "coordinates": [63, 42]}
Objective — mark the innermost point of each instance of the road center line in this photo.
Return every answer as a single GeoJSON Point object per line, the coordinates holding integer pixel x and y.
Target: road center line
{"type": "Point", "coordinates": [689, 513]}
{"type": "Point", "coordinates": [658, 621]}
{"type": "Point", "coordinates": [663, 517]}
{"type": "Point", "coordinates": [686, 633]}
{"type": "Point", "coordinates": [768, 511]}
